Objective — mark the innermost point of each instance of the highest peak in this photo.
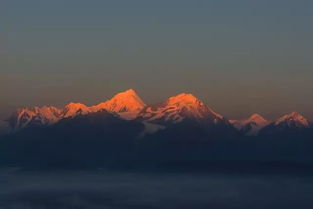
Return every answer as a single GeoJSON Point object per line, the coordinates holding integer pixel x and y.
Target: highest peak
{"type": "Point", "coordinates": [127, 104]}
{"type": "Point", "coordinates": [183, 98]}
{"type": "Point", "coordinates": [257, 117]}
{"type": "Point", "coordinates": [129, 92]}
{"type": "Point", "coordinates": [184, 95]}
{"type": "Point", "coordinates": [127, 95]}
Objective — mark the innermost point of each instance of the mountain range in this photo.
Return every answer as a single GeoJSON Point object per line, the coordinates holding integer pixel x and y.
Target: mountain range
{"type": "Point", "coordinates": [178, 109]}
{"type": "Point", "coordinates": [125, 131]}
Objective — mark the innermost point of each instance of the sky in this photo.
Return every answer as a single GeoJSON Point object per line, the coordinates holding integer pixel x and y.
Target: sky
{"type": "Point", "coordinates": [239, 57]}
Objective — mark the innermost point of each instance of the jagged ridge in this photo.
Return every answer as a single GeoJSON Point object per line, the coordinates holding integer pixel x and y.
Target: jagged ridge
{"type": "Point", "coordinates": [250, 126]}
{"type": "Point", "coordinates": [125, 104]}
{"type": "Point", "coordinates": [182, 107]}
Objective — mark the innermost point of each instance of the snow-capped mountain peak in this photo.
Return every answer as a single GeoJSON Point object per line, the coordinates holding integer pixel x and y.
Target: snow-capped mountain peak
{"type": "Point", "coordinates": [127, 104]}
{"type": "Point", "coordinates": [290, 124]}
{"type": "Point", "coordinates": [192, 104]}
{"type": "Point", "coordinates": [252, 125]}
{"type": "Point", "coordinates": [184, 99]}
{"type": "Point", "coordinates": [35, 115]}
{"type": "Point", "coordinates": [129, 99]}
{"type": "Point", "coordinates": [72, 109]}
{"type": "Point", "coordinates": [177, 108]}
{"type": "Point", "coordinates": [293, 119]}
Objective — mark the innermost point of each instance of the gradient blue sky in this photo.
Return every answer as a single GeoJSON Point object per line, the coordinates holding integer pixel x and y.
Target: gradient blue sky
{"type": "Point", "coordinates": [240, 57]}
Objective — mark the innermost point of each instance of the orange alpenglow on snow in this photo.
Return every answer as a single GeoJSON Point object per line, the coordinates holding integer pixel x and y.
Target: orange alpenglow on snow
{"type": "Point", "coordinates": [179, 107]}
{"type": "Point", "coordinates": [127, 104]}
{"type": "Point", "coordinates": [183, 98]}
{"type": "Point", "coordinates": [73, 108]}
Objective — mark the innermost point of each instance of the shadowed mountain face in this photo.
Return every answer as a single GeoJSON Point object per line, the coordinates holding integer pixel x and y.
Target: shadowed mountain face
{"type": "Point", "coordinates": [250, 126]}
{"type": "Point", "coordinates": [81, 140]}
{"type": "Point", "coordinates": [103, 139]}
{"type": "Point", "coordinates": [124, 132]}
{"type": "Point", "coordinates": [291, 124]}
{"type": "Point", "coordinates": [186, 118]}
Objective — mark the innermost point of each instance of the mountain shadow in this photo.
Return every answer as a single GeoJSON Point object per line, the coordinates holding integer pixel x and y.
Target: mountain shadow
{"type": "Point", "coordinates": [85, 140]}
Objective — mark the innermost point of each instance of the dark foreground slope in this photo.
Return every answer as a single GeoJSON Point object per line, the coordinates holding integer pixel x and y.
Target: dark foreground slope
{"type": "Point", "coordinates": [103, 139]}
{"type": "Point", "coordinates": [85, 140]}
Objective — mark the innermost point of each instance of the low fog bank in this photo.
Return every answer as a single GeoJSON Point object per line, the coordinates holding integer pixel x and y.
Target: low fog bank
{"type": "Point", "coordinates": [95, 190]}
